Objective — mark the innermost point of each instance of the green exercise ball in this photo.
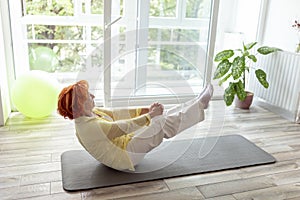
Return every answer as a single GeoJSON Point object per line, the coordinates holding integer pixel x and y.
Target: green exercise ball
{"type": "Point", "coordinates": [35, 94]}
{"type": "Point", "coordinates": [43, 58]}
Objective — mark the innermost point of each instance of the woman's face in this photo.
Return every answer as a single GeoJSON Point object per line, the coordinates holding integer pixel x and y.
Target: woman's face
{"type": "Point", "coordinates": [90, 103]}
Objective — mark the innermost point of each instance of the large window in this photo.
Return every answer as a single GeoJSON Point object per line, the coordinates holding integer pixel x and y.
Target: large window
{"type": "Point", "coordinates": [139, 49]}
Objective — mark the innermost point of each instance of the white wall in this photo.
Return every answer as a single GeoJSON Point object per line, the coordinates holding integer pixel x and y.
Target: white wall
{"type": "Point", "coordinates": [226, 24]}
{"type": "Point", "coordinates": [278, 31]}
{"type": "Point", "coordinates": [237, 23]}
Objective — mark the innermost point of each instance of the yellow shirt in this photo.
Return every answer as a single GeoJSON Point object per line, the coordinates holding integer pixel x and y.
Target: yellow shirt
{"type": "Point", "coordinates": [106, 135]}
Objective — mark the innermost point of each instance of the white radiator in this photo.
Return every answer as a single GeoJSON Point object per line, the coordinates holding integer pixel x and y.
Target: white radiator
{"type": "Point", "coordinates": [283, 74]}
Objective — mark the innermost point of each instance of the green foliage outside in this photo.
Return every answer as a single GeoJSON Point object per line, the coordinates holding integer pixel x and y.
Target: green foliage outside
{"type": "Point", "coordinates": [71, 55]}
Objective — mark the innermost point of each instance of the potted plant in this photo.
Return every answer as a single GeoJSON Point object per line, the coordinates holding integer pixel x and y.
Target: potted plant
{"type": "Point", "coordinates": [233, 66]}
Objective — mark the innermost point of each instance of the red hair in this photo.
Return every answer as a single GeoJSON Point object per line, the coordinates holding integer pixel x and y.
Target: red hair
{"type": "Point", "coordinates": [71, 100]}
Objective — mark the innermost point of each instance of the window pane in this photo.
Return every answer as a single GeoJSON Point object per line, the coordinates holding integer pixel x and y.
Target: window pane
{"type": "Point", "coordinates": [159, 34]}
{"type": "Point", "coordinates": [198, 8]}
{"type": "Point", "coordinates": [97, 32]}
{"type": "Point", "coordinates": [163, 8]}
{"type": "Point", "coordinates": [60, 39]}
{"type": "Point", "coordinates": [97, 7]}
{"type": "Point", "coordinates": [175, 62]}
{"type": "Point", "coordinates": [54, 32]}
{"type": "Point", "coordinates": [57, 57]}
{"type": "Point", "coordinates": [175, 67]}
{"type": "Point", "coordinates": [53, 7]}
{"type": "Point", "coordinates": [185, 35]}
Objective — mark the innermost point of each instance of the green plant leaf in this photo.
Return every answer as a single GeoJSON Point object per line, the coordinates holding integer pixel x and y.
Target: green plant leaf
{"type": "Point", "coordinates": [262, 77]}
{"type": "Point", "coordinates": [224, 79]}
{"type": "Point", "coordinates": [264, 50]}
{"type": "Point", "coordinates": [246, 53]}
{"type": "Point", "coordinates": [222, 68]}
{"type": "Point", "coordinates": [240, 90]}
{"type": "Point", "coordinates": [252, 57]}
{"type": "Point", "coordinates": [223, 55]}
{"type": "Point", "coordinates": [238, 67]}
{"type": "Point", "coordinates": [229, 94]}
{"type": "Point", "coordinates": [250, 45]}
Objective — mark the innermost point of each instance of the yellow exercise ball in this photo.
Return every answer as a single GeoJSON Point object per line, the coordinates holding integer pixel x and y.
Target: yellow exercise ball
{"type": "Point", "coordinates": [35, 94]}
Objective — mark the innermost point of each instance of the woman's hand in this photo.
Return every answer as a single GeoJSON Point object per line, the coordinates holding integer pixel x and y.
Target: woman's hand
{"type": "Point", "coordinates": [156, 109]}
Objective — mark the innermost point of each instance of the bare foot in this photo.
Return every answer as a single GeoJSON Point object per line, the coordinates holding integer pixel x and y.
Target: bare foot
{"type": "Point", "coordinates": [202, 92]}
{"type": "Point", "coordinates": [205, 96]}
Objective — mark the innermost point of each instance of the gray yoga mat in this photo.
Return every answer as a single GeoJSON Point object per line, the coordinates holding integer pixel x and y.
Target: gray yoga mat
{"type": "Point", "coordinates": [81, 171]}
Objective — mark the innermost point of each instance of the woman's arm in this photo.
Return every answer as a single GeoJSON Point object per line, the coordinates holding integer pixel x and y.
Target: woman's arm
{"type": "Point", "coordinates": [121, 113]}
{"type": "Point", "coordinates": [144, 111]}
{"type": "Point", "coordinates": [121, 127]}
{"type": "Point", "coordinates": [100, 111]}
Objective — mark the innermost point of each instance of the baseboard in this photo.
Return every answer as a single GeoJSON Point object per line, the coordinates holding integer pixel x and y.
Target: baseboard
{"type": "Point", "coordinates": [289, 115]}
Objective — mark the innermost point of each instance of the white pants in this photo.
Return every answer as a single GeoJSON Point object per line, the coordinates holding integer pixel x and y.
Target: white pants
{"type": "Point", "coordinates": [172, 122]}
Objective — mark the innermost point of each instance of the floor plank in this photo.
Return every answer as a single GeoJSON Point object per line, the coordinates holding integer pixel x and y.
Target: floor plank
{"type": "Point", "coordinates": [28, 179]}
{"type": "Point", "coordinates": [61, 196]}
{"type": "Point", "coordinates": [29, 169]}
{"type": "Point", "coordinates": [9, 181]}
{"type": "Point", "coordinates": [21, 192]}
{"type": "Point", "coordinates": [273, 193]}
{"type": "Point", "coordinates": [202, 179]}
{"type": "Point", "coordinates": [185, 193]}
{"type": "Point", "coordinates": [229, 197]}
{"type": "Point", "coordinates": [131, 191]}
{"type": "Point", "coordinates": [26, 160]}
{"type": "Point", "coordinates": [264, 170]}
{"type": "Point", "coordinates": [236, 186]}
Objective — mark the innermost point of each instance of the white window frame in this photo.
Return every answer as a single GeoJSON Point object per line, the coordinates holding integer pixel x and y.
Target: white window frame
{"type": "Point", "coordinates": [7, 75]}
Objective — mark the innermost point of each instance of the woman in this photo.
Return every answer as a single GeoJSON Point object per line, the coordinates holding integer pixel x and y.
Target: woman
{"type": "Point", "coordinates": [120, 138]}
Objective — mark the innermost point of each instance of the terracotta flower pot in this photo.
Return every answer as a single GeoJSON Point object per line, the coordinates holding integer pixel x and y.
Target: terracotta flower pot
{"type": "Point", "coordinates": [246, 103]}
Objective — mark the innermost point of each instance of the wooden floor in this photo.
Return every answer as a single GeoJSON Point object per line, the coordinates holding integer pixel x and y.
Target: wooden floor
{"type": "Point", "coordinates": [30, 161]}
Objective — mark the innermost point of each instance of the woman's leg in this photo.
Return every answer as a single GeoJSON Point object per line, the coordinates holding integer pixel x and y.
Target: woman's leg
{"type": "Point", "coordinates": [166, 126]}
{"type": "Point", "coordinates": [145, 140]}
